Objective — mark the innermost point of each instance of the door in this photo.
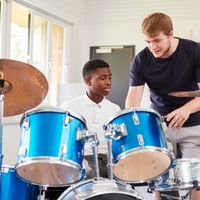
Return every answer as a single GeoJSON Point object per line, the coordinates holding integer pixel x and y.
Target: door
{"type": "Point", "coordinates": [119, 58]}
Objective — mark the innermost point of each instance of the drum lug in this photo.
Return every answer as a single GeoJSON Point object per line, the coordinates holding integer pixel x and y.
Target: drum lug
{"type": "Point", "coordinates": [67, 120]}
{"type": "Point", "coordinates": [135, 118]}
{"type": "Point", "coordinates": [22, 151]}
{"type": "Point", "coordinates": [140, 140]}
{"type": "Point", "coordinates": [25, 124]}
{"type": "Point", "coordinates": [63, 151]}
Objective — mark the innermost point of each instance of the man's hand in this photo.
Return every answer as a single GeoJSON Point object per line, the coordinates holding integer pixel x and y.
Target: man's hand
{"type": "Point", "coordinates": [177, 117]}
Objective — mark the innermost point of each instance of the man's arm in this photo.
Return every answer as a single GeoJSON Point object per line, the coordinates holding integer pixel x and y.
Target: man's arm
{"type": "Point", "coordinates": [134, 96]}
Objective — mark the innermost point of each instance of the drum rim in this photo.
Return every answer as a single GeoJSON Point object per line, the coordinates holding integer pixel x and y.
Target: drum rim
{"type": "Point", "coordinates": [46, 159]}
{"type": "Point", "coordinates": [174, 186]}
{"type": "Point", "coordinates": [127, 190]}
{"type": "Point", "coordinates": [131, 109]}
{"type": "Point", "coordinates": [146, 149]}
{"type": "Point", "coordinates": [188, 160]}
{"type": "Point", "coordinates": [53, 109]}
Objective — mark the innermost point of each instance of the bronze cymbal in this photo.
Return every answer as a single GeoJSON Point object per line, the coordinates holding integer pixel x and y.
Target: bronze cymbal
{"type": "Point", "coordinates": [23, 86]}
{"type": "Point", "coordinates": [195, 93]}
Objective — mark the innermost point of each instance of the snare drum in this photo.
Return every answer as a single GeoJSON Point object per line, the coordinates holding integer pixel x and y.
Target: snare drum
{"type": "Point", "coordinates": [14, 188]}
{"type": "Point", "coordinates": [97, 189]}
{"type": "Point", "coordinates": [51, 152]}
{"type": "Point", "coordinates": [139, 145]}
{"type": "Point", "coordinates": [185, 175]}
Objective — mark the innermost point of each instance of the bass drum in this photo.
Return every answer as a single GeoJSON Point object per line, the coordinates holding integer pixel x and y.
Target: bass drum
{"type": "Point", "coordinates": [100, 188]}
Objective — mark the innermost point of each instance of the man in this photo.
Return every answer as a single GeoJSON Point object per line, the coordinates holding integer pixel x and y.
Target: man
{"type": "Point", "coordinates": [166, 65]}
{"type": "Point", "coordinates": [96, 110]}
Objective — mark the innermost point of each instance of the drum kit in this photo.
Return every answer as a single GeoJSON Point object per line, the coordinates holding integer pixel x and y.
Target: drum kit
{"type": "Point", "coordinates": [51, 150]}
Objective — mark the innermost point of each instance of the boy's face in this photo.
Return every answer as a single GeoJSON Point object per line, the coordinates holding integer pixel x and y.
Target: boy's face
{"type": "Point", "coordinates": [99, 82]}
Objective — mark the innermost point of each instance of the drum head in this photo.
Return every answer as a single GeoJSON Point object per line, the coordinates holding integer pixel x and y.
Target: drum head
{"type": "Point", "coordinates": [142, 165]}
{"type": "Point", "coordinates": [49, 172]}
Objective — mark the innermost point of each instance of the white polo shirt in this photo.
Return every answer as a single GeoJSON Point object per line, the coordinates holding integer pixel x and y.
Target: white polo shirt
{"type": "Point", "coordinates": [96, 115]}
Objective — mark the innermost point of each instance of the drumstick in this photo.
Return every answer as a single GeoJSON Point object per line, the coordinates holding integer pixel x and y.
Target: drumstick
{"type": "Point", "coordinates": [195, 93]}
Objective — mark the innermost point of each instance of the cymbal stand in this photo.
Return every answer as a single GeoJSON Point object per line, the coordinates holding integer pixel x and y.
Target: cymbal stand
{"type": "Point", "coordinates": [1, 126]}
{"type": "Point", "coordinates": [5, 86]}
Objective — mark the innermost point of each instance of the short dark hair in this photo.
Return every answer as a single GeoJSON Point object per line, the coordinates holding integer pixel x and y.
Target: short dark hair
{"type": "Point", "coordinates": [92, 65]}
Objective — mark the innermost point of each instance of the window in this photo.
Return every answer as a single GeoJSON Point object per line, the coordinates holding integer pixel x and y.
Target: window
{"type": "Point", "coordinates": [38, 38]}
{"type": "Point", "coordinates": [20, 29]}
{"type": "Point", "coordinates": [39, 47]}
{"type": "Point", "coordinates": [57, 54]}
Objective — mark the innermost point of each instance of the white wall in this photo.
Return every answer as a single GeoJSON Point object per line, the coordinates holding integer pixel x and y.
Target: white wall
{"type": "Point", "coordinates": [117, 22]}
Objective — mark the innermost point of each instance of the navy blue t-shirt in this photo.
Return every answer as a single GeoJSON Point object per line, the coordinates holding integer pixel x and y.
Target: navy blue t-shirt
{"type": "Point", "coordinates": [179, 72]}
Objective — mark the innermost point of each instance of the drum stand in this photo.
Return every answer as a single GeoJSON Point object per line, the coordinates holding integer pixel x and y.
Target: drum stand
{"type": "Point", "coordinates": [94, 142]}
{"type": "Point", "coordinates": [112, 133]}
{"type": "Point", "coordinates": [110, 159]}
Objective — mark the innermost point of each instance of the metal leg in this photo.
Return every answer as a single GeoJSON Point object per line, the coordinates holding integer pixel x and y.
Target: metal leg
{"type": "Point", "coordinates": [1, 127]}
{"type": "Point", "coordinates": [94, 142]}
{"type": "Point", "coordinates": [110, 158]}
{"type": "Point", "coordinates": [96, 162]}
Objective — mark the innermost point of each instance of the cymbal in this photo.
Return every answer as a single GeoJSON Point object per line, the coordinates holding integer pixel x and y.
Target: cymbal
{"type": "Point", "coordinates": [195, 93]}
{"type": "Point", "coordinates": [23, 86]}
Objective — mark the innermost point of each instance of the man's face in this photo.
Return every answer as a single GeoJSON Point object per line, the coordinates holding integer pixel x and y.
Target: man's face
{"type": "Point", "coordinates": [99, 81]}
{"type": "Point", "coordinates": [160, 45]}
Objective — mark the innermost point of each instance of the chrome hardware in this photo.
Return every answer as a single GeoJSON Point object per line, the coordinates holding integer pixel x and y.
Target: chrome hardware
{"type": "Point", "coordinates": [25, 123]}
{"type": "Point", "coordinates": [135, 118]}
{"type": "Point", "coordinates": [67, 120]}
{"type": "Point", "coordinates": [163, 123]}
{"type": "Point", "coordinates": [64, 149]}
{"type": "Point", "coordinates": [116, 131]}
{"type": "Point", "coordinates": [140, 140]}
{"type": "Point", "coordinates": [81, 134]}
{"type": "Point", "coordinates": [93, 141]}
{"type": "Point", "coordinates": [22, 151]}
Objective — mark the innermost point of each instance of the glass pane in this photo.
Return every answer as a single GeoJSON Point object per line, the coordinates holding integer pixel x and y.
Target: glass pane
{"type": "Point", "coordinates": [39, 43]}
{"type": "Point", "coordinates": [57, 53]}
{"type": "Point", "coordinates": [0, 13]}
{"type": "Point", "coordinates": [19, 33]}
{"type": "Point", "coordinates": [0, 24]}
